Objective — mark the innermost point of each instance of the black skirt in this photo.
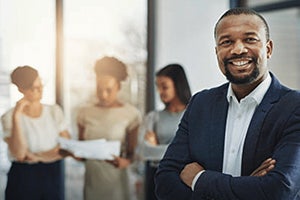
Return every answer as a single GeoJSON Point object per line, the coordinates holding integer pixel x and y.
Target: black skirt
{"type": "Point", "coordinates": [151, 168]}
{"type": "Point", "coordinates": [35, 181]}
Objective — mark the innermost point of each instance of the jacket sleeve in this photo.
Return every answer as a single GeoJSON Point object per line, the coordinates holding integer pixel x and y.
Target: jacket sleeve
{"type": "Point", "coordinates": [282, 183]}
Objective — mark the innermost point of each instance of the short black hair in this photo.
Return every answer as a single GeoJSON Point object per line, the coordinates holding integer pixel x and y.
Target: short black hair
{"type": "Point", "coordinates": [244, 11]}
{"type": "Point", "coordinates": [178, 76]}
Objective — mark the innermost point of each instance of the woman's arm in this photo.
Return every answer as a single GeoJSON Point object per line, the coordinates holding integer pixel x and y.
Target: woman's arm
{"type": "Point", "coordinates": [51, 155]}
{"type": "Point", "coordinates": [17, 143]}
{"type": "Point", "coordinates": [80, 137]}
{"type": "Point", "coordinates": [80, 132]}
{"type": "Point", "coordinates": [151, 138]}
{"type": "Point", "coordinates": [131, 143]}
{"type": "Point", "coordinates": [45, 156]}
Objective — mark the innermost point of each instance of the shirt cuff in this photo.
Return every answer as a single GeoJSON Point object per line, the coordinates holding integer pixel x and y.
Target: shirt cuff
{"type": "Point", "coordinates": [196, 178]}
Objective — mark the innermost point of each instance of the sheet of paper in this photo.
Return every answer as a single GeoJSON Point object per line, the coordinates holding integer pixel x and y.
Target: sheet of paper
{"type": "Point", "coordinates": [99, 149]}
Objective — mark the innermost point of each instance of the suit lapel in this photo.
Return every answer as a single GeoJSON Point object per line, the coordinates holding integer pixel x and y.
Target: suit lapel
{"type": "Point", "coordinates": [218, 127]}
{"type": "Point", "coordinates": [256, 124]}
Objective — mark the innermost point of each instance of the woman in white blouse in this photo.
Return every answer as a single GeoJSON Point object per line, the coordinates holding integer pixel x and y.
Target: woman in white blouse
{"type": "Point", "coordinates": [31, 130]}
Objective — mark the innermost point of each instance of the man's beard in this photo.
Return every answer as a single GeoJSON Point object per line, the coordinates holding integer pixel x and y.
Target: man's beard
{"type": "Point", "coordinates": [243, 80]}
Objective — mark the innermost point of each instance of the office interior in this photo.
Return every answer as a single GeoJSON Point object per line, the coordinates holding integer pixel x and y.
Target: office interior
{"type": "Point", "coordinates": [63, 38]}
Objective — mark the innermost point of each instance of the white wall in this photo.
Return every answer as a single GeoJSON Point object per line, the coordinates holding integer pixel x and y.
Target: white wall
{"type": "Point", "coordinates": [184, 34]}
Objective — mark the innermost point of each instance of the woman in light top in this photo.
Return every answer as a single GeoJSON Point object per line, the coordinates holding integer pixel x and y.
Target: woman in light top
{"type": "Point", "coordinates": [159, 126]}
{"type": "Point", "coordinates": [31, 130]}
{"type": "Point", "coordinates": [110, 119]}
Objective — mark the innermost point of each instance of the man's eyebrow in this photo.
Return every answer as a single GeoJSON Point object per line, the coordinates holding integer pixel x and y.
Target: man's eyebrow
{"type": "Point", "coordinates": [223, 37]}
{"type": "Point", "coordinates": [251, 33]}
{"type": "Point", "coordinates": [228, 35]}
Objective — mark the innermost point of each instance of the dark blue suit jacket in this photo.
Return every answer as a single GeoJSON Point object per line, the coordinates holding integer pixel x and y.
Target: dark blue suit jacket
{"type": "Point", "coordinates": [274, 131]}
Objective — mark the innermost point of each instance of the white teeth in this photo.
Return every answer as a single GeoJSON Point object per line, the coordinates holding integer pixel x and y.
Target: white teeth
{"type": "Point", "coordinates": [240, 63]}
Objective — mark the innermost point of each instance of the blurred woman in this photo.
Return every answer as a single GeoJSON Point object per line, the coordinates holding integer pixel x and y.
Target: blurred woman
{"type": "Point", "coordinates": [159, 126]}
{"type": "Point", "coordinates": [31, 130]}
{"type": "Point", "coordinates": [110, 119]}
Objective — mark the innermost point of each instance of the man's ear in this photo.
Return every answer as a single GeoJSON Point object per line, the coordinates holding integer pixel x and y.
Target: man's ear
{"type": "Point", "coordinates": [269, 48]}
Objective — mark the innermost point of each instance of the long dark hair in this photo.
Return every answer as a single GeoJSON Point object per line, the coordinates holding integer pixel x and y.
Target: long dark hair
{"type": "Point", "coordinates": [178, 76]}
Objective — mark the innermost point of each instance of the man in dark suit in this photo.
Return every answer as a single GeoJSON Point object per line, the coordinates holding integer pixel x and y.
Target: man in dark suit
{"type": "Point", "coordinates": [239, 141]}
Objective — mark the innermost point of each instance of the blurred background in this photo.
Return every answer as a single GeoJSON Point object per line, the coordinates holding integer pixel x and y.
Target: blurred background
{"type": "Point", "coordinates": [63, 38]}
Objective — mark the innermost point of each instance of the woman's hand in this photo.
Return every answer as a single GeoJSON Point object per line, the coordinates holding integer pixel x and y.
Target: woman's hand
{"type": "Point", "coordinates": [151, 138]}
{"type": "Point", "coordinates": [32, 158]}
{"type": "Point", "coordinates": [50, 156]}
{"type": "Point", "coordinates": [20, 105]}
{"type": "Point", "coordinates": [119, 162]}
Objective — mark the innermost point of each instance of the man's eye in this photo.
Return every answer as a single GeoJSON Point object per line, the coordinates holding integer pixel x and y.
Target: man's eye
{"type": "Point", "coordinates": [225, 43]}
{"type": "Point", "coordinates": [251, 40]}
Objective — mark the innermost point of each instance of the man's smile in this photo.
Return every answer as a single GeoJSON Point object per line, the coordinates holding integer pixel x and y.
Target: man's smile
{"type": "Point", "coordinates": [240, 62]}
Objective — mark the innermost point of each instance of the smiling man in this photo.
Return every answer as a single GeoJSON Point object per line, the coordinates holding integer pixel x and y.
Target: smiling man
{"type": "Point", "coordinates": [240, 140]}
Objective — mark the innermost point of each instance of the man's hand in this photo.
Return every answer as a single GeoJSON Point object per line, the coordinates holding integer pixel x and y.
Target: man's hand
{"type": "Point", "coordinates": [264, 168]}
{"type": "Point", "coordinates": [192, 169]}
{"type": "Point", "coordinates": [189, 172]}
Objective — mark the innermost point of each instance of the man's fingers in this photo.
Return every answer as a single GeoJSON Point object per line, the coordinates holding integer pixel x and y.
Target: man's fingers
{"type": "Point", "coordinates": [264, 168]}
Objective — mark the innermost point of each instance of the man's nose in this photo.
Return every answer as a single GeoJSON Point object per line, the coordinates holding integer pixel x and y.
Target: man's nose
{"type": "Point", "coordinates": [239, 48]}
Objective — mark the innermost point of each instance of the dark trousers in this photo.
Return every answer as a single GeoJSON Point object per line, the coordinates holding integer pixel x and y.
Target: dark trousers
{"type": "Point", "coordinates": [151, 167]}
{"type": "Point", "coordinates": [39, 181]}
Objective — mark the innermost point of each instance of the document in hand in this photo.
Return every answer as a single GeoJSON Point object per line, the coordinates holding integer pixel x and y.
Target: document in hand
{"type": "Point", "coordinates": [99, 149]}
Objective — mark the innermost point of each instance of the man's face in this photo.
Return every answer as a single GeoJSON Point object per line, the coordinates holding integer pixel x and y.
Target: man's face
{"type": "Point", "coordinates": [242, 48]}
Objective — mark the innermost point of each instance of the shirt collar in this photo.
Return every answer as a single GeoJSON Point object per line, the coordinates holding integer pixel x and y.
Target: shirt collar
{"type": "Point", "coordinates": [257, 94]}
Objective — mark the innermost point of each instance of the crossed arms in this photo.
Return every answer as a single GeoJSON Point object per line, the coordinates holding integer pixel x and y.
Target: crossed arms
{"type": "Point", "coordinates": [281, 182]}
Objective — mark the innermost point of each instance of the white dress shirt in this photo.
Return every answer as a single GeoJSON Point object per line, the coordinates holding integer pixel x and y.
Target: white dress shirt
{"type": "Point", "coordinates": [239, 116]}
{"type": "Point", "coordinates": [42, 132]}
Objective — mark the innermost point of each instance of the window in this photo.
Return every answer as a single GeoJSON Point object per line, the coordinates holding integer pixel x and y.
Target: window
{"type": "Point", "coordinates": [27, 37]}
